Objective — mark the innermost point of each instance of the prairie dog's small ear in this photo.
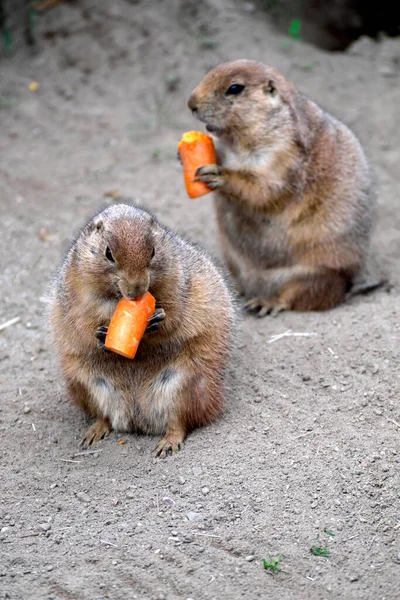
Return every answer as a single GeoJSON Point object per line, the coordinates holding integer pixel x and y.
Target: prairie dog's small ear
{"type": "Point", "coordinates": [96, 225]}
{"type": "Point", "coordinates": [270, 88]}
{"type": "Point", "coordinates": [156, 229]}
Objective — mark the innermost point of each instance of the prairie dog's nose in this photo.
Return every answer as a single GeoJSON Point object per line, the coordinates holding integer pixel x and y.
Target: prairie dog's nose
{"type": "Point", "coordinates": [192, 104]}
{"type": "Point", "coordinates": [131, 291]}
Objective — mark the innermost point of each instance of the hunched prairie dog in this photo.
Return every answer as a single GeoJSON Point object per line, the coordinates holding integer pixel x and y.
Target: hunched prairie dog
{"type": "Point", "coordinates": [174, 383]}
{"type": "Point", "coordinates": [293, 200]}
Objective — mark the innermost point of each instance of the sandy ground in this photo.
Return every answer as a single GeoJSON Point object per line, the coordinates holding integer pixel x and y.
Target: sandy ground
{"type": "Point", "coordinates": [310, 440]}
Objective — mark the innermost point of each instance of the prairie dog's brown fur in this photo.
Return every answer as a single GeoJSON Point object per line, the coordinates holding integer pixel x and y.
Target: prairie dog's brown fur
{"type": "Point", "coordinates": [293, 199]}
{"type": "Point", "coordinates": [174, 383]}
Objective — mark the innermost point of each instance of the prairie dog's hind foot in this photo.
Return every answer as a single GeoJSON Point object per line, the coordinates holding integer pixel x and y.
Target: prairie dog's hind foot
{"type": "Point", "coordinates": [99, 430]}
{"type": "Point", "coordinates": [171, 443]}
{"type": "Point", "coordinates": [265, 306]}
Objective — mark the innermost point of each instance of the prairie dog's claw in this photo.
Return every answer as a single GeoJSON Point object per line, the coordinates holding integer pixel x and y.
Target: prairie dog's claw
{"type": "Point", "coordinates": [96, 432]}
{"type": "Point", "coordinates": [100, 335]}
{"type": "Point", "coordinates": [170, 444]}
{"type": "Point", "coordinates": [211, 175]}
{"type": "Point", "coordinates": [156, 320]}
{"type": "Point", "coordinates": [262, 307]}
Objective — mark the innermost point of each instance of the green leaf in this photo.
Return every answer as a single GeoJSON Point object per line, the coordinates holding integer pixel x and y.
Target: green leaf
{"type": "Point", "coordinates": [318, 551]}
{"type": "Point", "coordinates": [272, 564]}
{"type": "Point", "coordinates": [295, 29]}
{"type": "Point", "coordinates": [7, 41]}
{"type": "Point", "coordinates": [329, 532]}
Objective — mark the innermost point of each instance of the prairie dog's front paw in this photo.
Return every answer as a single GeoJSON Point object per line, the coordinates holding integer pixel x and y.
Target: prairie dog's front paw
{"type": "Point", "coordinates": [211, 175]}
{"type": "Point", "coordinates": [156, 320]}
{"type": "Point", "coordinates": [100, 335]}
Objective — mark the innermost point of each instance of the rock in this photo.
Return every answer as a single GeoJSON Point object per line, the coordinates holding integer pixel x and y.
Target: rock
{"type": "Point", "coordinates": [181, 480]}
{"type": "Point", "coordinates": [194, 517]}
{"type": "Point", "coordinates": [130, 494]}
{"type": "Point", "coordinates": [205, 491]}
{"type": "Point", "coordinates": [387, 71]}
{"type": "Point", "coordinates": [27, 410]}
{"type": "Point", "coordinates": [248, 7]}
{"type": "Point", "coordinates": [168, 501]}
{"type": "Point", "coordinates": [363, 46]}
{"type": "Point", "coordinates": [172, 82]}
{"type": "Point", "coordinates": [45, 526]}
{"type": "Point", "coordinates": [250, 558]}
{"type": "Point", "coordinates": [82, 496]}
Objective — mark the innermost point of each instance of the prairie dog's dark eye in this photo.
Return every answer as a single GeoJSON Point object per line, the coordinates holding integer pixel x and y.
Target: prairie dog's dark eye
{"type": "Point", "coordinates": [234, 89]}
{"type": "Point", "coordinates": [153, 252]}
{"type": "Point", "coordinates": [109, 255]}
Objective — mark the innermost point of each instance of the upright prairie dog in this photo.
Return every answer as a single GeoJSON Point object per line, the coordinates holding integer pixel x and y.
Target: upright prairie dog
{"type": "Point", "coordinates": [293, 199]}
{"type": "Point", "coordinates": [174, 383]}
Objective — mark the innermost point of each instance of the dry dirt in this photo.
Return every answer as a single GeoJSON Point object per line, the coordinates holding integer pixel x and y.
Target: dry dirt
{"type": "Point", "coordinates": [310, 440]}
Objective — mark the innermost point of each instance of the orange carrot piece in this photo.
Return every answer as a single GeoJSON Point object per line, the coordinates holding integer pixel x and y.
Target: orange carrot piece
{"type": "Point", "coordinates": [196, 149]}
{"type": "Point", "coordinates": [128, 324]}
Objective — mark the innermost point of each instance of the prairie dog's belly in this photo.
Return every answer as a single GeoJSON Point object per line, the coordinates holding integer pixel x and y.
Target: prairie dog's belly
{"type": "Point", "coordinates": [261, 240]}
{"type": "Point", "coordinates": [140, 401]}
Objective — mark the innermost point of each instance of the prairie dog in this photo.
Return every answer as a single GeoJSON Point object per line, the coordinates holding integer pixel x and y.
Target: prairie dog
{"type": "Point", "coordinates": [174, 383]}
{"type": "Point", "coordinates": [293, 200]}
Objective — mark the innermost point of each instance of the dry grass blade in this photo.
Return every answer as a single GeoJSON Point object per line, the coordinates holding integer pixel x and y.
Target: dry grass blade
{"type": "Point", "coordinates": [9, 323]}
{"type": "Point", "coordinates": [290, 333]}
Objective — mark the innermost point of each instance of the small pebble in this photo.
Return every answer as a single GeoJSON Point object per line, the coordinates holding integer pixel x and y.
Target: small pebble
{"type": "Point", "coordinates": [172, 82]}
{"type": "Point", "coordinates": [168, 501]}
{"type": "Point", "coordinates": [250, 558]}
{"type": "Point", "coordinates": [50, 567]}
{"type": "Point", "coordinates": [387, 71]}
{"type": "Point", "coordinates": [194, 516]}
{"type": "Point", "coordinates": [181, 480]}
{"type": "Point", "coordinates": [130, 494]}
{"type": "Point", "coordinates": [45, 526]}
{"type": "Point", "coordinates": [82, 496]}
{"type": "Point", "coordinates": [27, 410]}
{"type": "Point", "coordinates": [205, 491]}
